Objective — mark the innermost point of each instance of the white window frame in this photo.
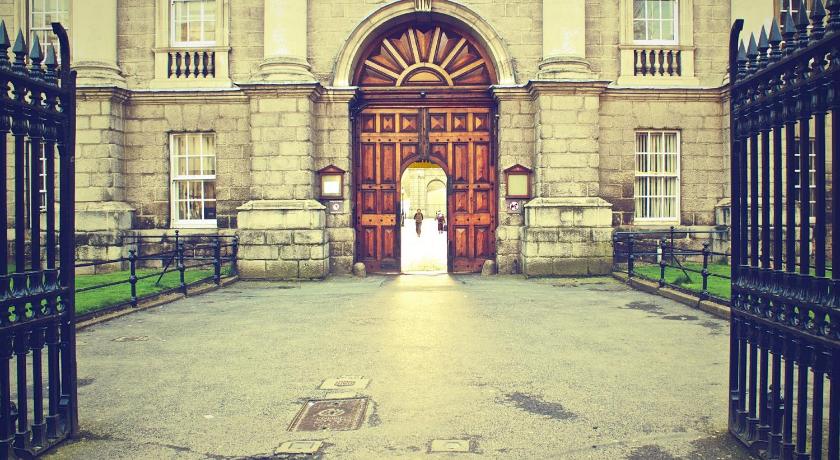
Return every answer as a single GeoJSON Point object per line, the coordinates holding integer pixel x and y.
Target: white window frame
{"type": "Point", "coordinates": [172, 25]}
{"type": "Point", "coordinates": [45, 32]}
{"type": "Point", "coordinates": [675, 175]}
{"type": "Point", "coordinates": [676, 21]}
{"type": "Point", "coordinates": [177, 222]}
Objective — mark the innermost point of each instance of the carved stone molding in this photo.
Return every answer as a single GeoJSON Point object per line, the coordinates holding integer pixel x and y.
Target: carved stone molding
{"type": "Point", "coordinates": [424, 6]}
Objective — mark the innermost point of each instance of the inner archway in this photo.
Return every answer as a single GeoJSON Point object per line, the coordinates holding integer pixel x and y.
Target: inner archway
{"type": "Point", "coordinates": [423, 236]}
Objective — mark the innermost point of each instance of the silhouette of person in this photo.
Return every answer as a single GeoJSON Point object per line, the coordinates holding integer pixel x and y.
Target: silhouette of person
{"type": "Point", "coordinates": [418, 220]}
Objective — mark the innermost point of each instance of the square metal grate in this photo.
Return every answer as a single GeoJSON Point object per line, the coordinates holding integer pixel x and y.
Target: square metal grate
{"type": "Point", "coordinates": [330, 414]}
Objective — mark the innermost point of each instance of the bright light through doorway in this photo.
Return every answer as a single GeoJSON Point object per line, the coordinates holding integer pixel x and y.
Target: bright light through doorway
{"type": "Point", "coordinates": [424, 189]}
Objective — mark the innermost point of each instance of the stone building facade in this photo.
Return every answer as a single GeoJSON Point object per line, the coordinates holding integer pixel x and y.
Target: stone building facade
{"type": "Point", "coordinates": [217, 115]}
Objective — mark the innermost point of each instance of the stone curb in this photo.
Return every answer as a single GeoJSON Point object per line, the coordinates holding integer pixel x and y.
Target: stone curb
{"type": "Point", "coordinates": [152, 302]}
{"type": "Point", "coordinates": [652, 287]}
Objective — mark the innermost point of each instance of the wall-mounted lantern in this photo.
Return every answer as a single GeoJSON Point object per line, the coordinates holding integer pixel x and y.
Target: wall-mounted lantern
{"type": "Point", "coordinates": [518, 179]}
{"type": "Point", "coordinates": [332, 183]}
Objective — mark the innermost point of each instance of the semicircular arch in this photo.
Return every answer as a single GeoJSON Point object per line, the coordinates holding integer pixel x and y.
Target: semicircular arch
{"type": "Point", "coordinates": [446, 12]}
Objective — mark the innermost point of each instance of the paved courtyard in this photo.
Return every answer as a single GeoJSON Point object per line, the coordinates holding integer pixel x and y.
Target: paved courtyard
{"type": "Point", "coordinates": [527, 369]}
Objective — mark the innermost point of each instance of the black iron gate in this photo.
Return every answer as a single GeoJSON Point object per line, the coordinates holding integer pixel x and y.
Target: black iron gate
{"type": "Point", "coordinates": [785, 329]}
{"type": "Point", "coordinates": [37, 326]}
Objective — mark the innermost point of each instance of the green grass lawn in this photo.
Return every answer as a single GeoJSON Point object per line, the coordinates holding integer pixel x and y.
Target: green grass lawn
{"type": "Point", "coordinates": [98, 299]}
{"type": "Point", "coordinates": [718, 287]}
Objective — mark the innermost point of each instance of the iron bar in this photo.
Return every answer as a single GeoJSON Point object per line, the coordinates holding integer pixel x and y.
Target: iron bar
{"type": "Point", "coordinates": [765, 196]}
{"type": "Point", "coordinates": [805, 193]}
{"type": "Point", "coordinates": [790, 195]}
{"type": "Point", "coordinates": [778, 197]}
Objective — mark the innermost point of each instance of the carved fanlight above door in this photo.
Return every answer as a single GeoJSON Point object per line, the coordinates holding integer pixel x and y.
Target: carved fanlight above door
{"type": "Point", "coordinates": [430, 56]}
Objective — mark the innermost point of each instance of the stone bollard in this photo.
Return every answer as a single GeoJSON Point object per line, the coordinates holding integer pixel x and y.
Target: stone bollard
{"type": "Point", "coordinates": [489, 268]}
{"type": "Point", "coordinates": [359, 270]}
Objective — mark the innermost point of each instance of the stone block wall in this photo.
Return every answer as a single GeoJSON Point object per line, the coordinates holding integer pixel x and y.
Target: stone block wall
{"type": "Point", "coordinates": [567, 236]}
{"type": "Point", "coordinates": [283, 239]}
{"type": "Point", "coordinates": [332, 145]}
{"type": "Point", "coordinates": [567, 140]}
{"type": "Point", "coordinates": [517, 139]}
{"type": "Point", "coordinates": [282, 164]}
{"type": "Point", "coordinates": [149, 123]}
{"type": "Point", "coordinates": [704, 148]}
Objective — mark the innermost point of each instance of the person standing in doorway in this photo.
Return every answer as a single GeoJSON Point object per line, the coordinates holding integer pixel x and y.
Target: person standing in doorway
{"type": "Point", "coordinates": [441, 221]}
{"type": "Point", "coordinates": [418, 220]}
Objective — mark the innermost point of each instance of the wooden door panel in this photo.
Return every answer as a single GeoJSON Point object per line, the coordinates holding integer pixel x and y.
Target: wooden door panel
{"type": "Point", "coordinates": [389, 202]}
{"type": "Point", "coordinates": [481, 162]}
{"type": "Point", "coordinates": [482, 241]}
{"type": "Point", "coordinates": [369, 201]}
{"type": "Point", "coordinates": [369, 241]}
{"type": "Point", "coordinates": [389, 242]}
{"type": "Point", "coordinates": [462, 245]}
{"type": "Point", "coordinates": [388, 165]}
{"type": "Point", "coordinates": [481, 201]}
{"type": "Point", "coordinates": [368, 164]}
{"type": "Point", "coordinates": [461, 163]}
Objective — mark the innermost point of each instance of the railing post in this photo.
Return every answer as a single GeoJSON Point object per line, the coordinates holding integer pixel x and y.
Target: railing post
{"type": "Point", "coordinates": [630, 256]}
{"type": "Point", "coordinates": [234, 255]}
{"type": "Point", "coordinates": [705, 272]}
{"type": "Point", "coordinates": [662, 263]}
{"type": "Point", "coordinates": [181, 267]}
{"type": "Point", "coordinates": [673, 260]}
{"type": "Point", "coordinates": [217, 261]}
{"type": "Point", "coordinates": [132, 277]}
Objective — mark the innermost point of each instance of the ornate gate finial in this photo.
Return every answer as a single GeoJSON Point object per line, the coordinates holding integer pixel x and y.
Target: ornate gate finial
{"type": "Point", "coordinates": [424, 6]}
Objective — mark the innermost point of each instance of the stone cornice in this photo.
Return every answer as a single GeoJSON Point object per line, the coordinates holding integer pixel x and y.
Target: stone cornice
{"type": "Point", "coordinates": [224, 96]}
{"type": "Point", "coordinates": [344, 95]}
{"type": "Point", "coordinates": [101, 93]}
{"type": "Point", "coordinates": [667, 94]}
{"type": "Point", "coordinates": [312, 90]}
{"type": "Point", "coordinates": [567, 87]}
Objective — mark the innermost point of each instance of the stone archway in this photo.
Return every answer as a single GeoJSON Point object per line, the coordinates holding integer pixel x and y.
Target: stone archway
{"type": "Point", "coordinates": [400, 11]}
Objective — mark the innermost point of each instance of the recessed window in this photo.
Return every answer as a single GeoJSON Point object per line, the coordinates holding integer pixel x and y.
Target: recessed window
{"type": "Point", "coordinates": [42, 13]}
{"type": "Point", "coordinates": [655, 21]}
{"type": "Point", "coordinates": [657, 184]}
{"type": "Point", "coordinates": [193, 158]}
{"type": "Point", "coordinates": [193, 22]}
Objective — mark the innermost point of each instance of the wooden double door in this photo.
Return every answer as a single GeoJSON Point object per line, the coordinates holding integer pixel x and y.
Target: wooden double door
{"type": "Point", "coordinates": [460, 141]}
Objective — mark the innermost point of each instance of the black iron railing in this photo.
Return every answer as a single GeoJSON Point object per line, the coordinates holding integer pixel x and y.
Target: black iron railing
{"type": "Point", "coordinates": [785, 327]}
{"type": "Point", "coordinates": [38, 406]}
{"type": "Point", "coordinates": [210, 257]}
{"type": "Point", "coordinates": [655, 255]}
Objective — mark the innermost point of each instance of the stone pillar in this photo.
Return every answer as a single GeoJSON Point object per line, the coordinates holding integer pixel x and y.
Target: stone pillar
{"type": "Point", "coordinates": [564, 41]}
{"type": "Point", "coordinates": [333, 146]}
{"type": "Point", "coordinates": [102, 215]}
{"type": "Point", "coordinates": [283, 229]}
{"type": "Point", "coordinates": [94, 29]}
{"type": "Point", "coordinates": [517, 136]}
{"type": "Point", "coordinates": [568, 228]}
{"type": "Point", "coordinates": [285, 41]}
{"type": "Point", "coordinates": [283, 239]}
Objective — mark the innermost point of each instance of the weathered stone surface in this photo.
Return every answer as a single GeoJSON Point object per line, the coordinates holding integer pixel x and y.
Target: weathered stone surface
{"type": "Point", "coordinates": [359, 270]}
{"type": "Point", "coordinates": [489, 268]}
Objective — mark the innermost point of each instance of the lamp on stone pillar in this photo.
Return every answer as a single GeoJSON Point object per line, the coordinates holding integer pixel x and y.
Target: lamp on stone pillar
{"type": "Point", "coordinates": [285, 42]}
{"type": "Point", "coordinates": [564, 41]}
{"type": "Point", "coordinates": [94, 29]}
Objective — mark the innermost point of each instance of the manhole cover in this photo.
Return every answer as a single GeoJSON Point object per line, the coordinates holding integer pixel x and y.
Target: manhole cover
{"type": "Point", "coordinates": [140, 338]}
{"type": "Point", "coordinates": [345, 383]}
{"type": "Point", "coordinates": [450, 445]}
{"type": "Point", "coordinates": [331, 414]}
{"type": "Point", "coordinates": [299, 447]}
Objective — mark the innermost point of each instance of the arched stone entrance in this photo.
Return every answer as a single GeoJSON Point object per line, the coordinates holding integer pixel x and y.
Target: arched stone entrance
{"type": "Point", "coordinates": [424, 96]}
